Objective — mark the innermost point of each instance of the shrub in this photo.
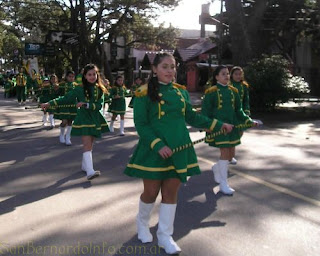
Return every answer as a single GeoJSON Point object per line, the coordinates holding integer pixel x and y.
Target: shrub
{"type": "Point", "coordinates": [272, 83]}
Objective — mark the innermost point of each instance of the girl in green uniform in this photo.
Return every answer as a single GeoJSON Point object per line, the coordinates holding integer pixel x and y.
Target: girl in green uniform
{"type": "Point", "coordinates": [161, 110]}
{"type": "Point", "coordinates": [66, 114]}
{"type": "Point", "coordinates": [89, 122]}
{"type": "Point", "coordinates": [118, 103]}
{"type": "Point", "coordinates": [237, 81]}
{"type": "Point", "coordinates": [45, 97]}
{"type": "Point", "coordinates": [222, 101]}
{"type": "Point", "coordinates": [21, 81]}
{"type": "Point", "coordinates": [137, 83]}
{"type": "Point", "coordinates": [54, 93]}
{"type": "Point", "coordinates": [8, 85]}
{"type": "Point", "coordinates": [107, 99]}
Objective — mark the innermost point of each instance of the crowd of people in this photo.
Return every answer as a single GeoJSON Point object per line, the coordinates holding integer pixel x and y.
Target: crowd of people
{"type": "Point", "coordinates": [162, 110]}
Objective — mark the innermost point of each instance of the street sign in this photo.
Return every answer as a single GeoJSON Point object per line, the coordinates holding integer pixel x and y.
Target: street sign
{"type": "Point", "coordinates": [33, 49]}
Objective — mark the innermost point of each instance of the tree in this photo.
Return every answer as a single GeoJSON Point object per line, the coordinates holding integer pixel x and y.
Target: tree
{"type": "Point", "coordinates": [103, 21]}
{"type": "Point", "coordinates": [95, 22]}
{"type": "Point", "coordinates": [255, 27]}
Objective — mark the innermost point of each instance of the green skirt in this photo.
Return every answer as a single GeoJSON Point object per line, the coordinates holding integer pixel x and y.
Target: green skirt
{"type": "Point", "coordinates": [89, 123]}
{"type": "Point", "coordinates": [148, 164]}
{"type": "Point", "coordinates": [229, 140]}
{"type": "Point", "coordinates": [118, 106]}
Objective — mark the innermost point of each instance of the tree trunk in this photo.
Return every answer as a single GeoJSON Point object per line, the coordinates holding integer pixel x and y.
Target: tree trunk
{"type": "Point", "coordinates": [240, 44]}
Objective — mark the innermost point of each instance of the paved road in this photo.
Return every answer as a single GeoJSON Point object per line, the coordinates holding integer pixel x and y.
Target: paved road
{"type": "Point", "coordinates": [47, 207]}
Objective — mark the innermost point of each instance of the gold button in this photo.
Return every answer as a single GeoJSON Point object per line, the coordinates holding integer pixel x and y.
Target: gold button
{"type": "Point", "coordinates": [179, 93]}
{"type": "Point", "coordinates": [162, 113]}
{"type": "Point", "coordinates": [160, 94]}
{"type": "Point", "coordinates": [182, 99]}
{"type": "Point", "coordinates": [162, 102]}
{"type": "Point", "coordinates": [183, 110]}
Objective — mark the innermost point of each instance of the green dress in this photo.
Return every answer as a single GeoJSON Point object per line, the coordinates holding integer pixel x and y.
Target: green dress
{"type": "Point", "coordinates": [162, 124]}
{"type": "Point", "coordinates": [45, 93]}
{"type": "Point", "coordinates": [66, 112]}
{"type": "Point", "coordinates": [87, 121]}
{"type": "Point", "coordinates": [8, 86]}
{"type": "Point", "coordinates": [118, 105]}
{"type": "Point", "coordinates": [29, 84]}
{"type": "Point", "coordinates": [49, 93]}
{"type": "Point", "coordinates": [223, 102]}
{"type": "Point", "coordinates": [243, 89]}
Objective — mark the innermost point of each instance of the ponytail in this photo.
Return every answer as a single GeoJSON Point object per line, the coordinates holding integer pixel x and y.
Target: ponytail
{"type": "Point", "coordinates": [153, 88]}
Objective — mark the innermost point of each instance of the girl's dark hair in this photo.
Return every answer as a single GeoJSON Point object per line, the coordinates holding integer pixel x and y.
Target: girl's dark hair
{"type": "Point", "coordinates": [52, 76]}
{"type": "Point", "coordinates": [153, 84]}
{"type": "Point", "coordinates": [235, 68]}
{"type": "Point", "coordinates": [86, 84]}
{"type": "Point", "coordinates": [69, 72]}
{"type": "Point", "coordinates": [216, 72]}
{"type": "Point", "coordinates": [115, 82]}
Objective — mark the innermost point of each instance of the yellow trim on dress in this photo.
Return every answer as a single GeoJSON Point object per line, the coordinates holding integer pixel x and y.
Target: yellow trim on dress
{"type": "Point", "coordinates": [159, 110]}
{"type": "Point", "coordinates": [211, 89]}
{"type": "Point", "coordinates": [141, 91]}
{"type": "Point", "coordinates": [213, 124]}
{"type": "Point", "coordinates": [210, 140]}
{"type": "Point", "coordinates": [84, 126]}
{"type": "Point", "coordinates": [159, 169]}
{"type": "Point", "coordinates": [67, 113]}
{"type": "Point", "coordinates": [154, 142]}
{"type": "Point", "coordinates": [179, 86]}
{"type": "Point", "coordinates": [227, 142]}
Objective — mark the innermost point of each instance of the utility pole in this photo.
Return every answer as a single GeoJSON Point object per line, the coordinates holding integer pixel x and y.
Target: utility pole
{"type": "Point", "coordinates": [220, 35]}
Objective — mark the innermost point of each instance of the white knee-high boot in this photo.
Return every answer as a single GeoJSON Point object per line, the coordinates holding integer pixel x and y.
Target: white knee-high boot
{"type": "Point", "coordinates": [216, 172]}
{"type": "Point", "coordinates": [224, 186]}
{"type": "Point", "coordinates": [51, 119]}
{"type": "Point", "coordinates": [121, 127]}
{"type": "Point", "coordinates": [44, 119]}
{"type": "Point", "coordinates": [68, 135]}
{"type": "Point", "coordinates": [165, 228]}
{"type": "Point", "coordinates": [111, 126]}
{"type": "Point", "coordinates": [88, 165]}
{"type": "Point", "coordinates": [62, 135]}
{"type": "Point", "coordinates": [142, 221]}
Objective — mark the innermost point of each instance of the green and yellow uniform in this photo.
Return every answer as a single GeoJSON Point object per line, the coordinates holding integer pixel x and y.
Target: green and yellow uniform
{"type": "Point", "coordinates": [118, 105]}
{"type": "Point", "coordinates": [8, 86]}
{"type": "Point", "coordinates": [48, 93]}
{"type": "Point", "coordinates": [243, 89]}
{"type": "Point", "coordinates": [21, 81]}
{"type": "Point", "coordinates": [37, 82]}
{"type": "Point", "coordinates": [29, 84]}
{"type": "Point", "coordinates": [88, 121]}
{"type": "Point", "coordinates": [223, 102]}
{"type": "Point", "coordinates": [45, 92]}
{"type": "Point", "coordinates": [162, 124]}
{"type": "Point", "coordinates": [133, 89]}
{"type": "Point", "coordinates": [78, 79]}
{"type": "Point", "coordinates": [68, 112]}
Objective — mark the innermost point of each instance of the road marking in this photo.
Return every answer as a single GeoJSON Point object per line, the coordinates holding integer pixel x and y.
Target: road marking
{"type": "Point", "coordinates": [269, 185]}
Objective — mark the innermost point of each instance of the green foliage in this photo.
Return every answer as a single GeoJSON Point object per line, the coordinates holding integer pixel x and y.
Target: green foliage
{"type": "Point", "coordinates": [297, 87]}
{"type": "Point", "coordinates": [272, 83]}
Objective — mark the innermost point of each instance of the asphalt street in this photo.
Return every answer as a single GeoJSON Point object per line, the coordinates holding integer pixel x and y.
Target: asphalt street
{"type": "Point", "coordinates": [47, 207]}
